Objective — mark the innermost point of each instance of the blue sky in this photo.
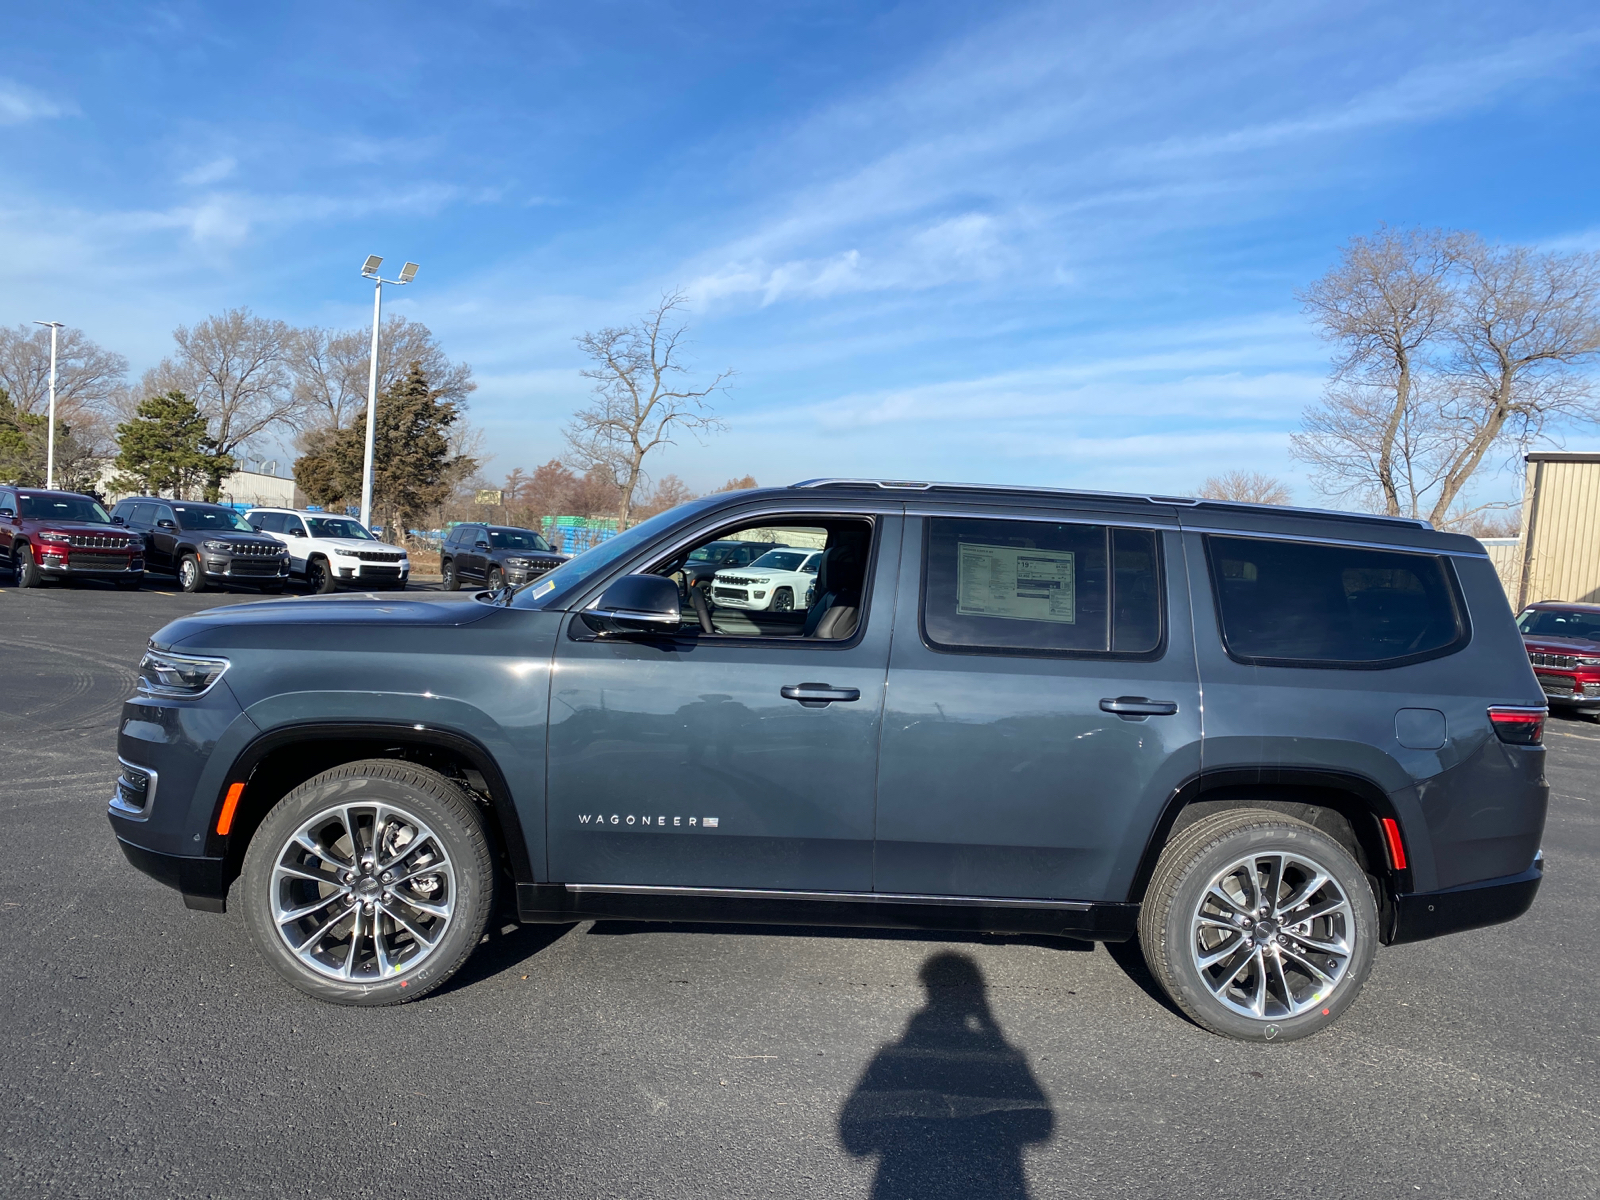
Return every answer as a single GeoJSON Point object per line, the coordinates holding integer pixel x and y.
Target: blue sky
{"type": "Point", "coordinates": [1050, 244]}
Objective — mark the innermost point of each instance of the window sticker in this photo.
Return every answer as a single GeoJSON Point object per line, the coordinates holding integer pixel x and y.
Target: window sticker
{"type": "Point", "coordinates": [1016, 584]}
{"type": "Point", "coordinates": [541, 589]}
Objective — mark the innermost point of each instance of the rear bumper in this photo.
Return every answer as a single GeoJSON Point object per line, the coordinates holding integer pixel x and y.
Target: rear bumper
{"type": "Point", "coordinates": [1422, 915]}
{"type": "Point", "coordinates": [201, 880]}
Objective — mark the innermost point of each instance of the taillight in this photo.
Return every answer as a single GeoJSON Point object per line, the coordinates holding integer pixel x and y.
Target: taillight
{"type": "Point", "coordinates": [1519, 726]}
{"type": "Point", "coordinates": [1391, 839]}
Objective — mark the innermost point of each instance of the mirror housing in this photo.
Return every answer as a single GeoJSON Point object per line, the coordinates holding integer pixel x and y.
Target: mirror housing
{"type": "Point", "coordinates": [297, 533]}
{"type": "Point", "coordinates": [7, 513]}
{"type": "Point", "coordinates": [115, 520]}
{"type": "Point", "coordinates": [636, 604]}
{"type": "Point", "coordinates": [166, 523]}
{"type": "Point", "coordinates": [480, 545]}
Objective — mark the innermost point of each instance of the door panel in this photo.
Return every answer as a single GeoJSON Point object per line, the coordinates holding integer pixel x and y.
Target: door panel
{"type": "Point", "coordinates": [677, 762]}
{"type": "Point", "coordinates": [1001, 775]}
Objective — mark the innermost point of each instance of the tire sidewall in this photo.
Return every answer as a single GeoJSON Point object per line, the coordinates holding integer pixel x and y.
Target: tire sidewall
{"type": "Point", "coordinates": [324, 585]}
{"type": "Point", "coordinates": [25, 567]}
{"type": "Point", "coordinates": [1184, 978]}
{"type": "Point", "coordinates": [195, 582]}
{"type": "Point", "coordinates": [474, 883]}
{"type": "Point", "coordinates": [450, 581]}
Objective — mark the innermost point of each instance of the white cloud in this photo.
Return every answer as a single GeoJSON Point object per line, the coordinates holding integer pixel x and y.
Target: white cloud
{"type": "Point", "coordinates": [20, 104]}
{"type": "Point", "coordinates": [212, 172]}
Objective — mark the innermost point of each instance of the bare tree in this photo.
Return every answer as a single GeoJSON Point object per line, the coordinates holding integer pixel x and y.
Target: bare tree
{"type": "Point", "coordinates": [636, 405]}
{"type": "Point", "coordinates": [1387, 302]}
{"type": "Point", "coordinates": [1528, 322]}
{"type": "Point", "coordinates": [86, 375]}
{"type": "Point", "coordinates": [331, 367]}
{"type": "Point", "coordinates": [1248, 487]}
{"type": "Point", "coordinates": [236, 367]}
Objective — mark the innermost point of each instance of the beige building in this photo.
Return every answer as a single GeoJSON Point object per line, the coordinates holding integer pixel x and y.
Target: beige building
{"type": "Point", "coordinates": [242, 487]}
{"type": "Point", "coordinates": [1558, 555]}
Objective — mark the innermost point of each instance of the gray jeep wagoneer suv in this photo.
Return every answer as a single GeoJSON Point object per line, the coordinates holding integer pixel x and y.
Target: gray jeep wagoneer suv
{"type": "Point", "coordinates": [1259, 740]}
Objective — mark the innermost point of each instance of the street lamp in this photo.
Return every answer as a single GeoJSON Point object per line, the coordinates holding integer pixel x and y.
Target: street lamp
{"type": "Point", "coordinates": [50, 435]}
{"type": "Point", "coordinates": [369, 270]}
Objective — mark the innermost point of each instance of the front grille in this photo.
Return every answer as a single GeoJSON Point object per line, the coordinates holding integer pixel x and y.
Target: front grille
{"type": "Point", "coordinates": [98, 541]}
{"type": "Point", "coordinates": [737, 581]}
{"type": "Point", "coordinates": [378, 556]}
{"type": "Point", "coordinates": [728, 593]}
{"type": "Point", "coordinates": [98, 562]}
{"type": "Point", "coordinates": [1569, 661]}
{"type": "Point", "coordinates": [1557, 685]}
{"type": "Point", "coordinates": [370, 572]}
{"type": "Point", "coordinates": [245, 567]}
{"type": "Point", "coordinates": [254, 550]}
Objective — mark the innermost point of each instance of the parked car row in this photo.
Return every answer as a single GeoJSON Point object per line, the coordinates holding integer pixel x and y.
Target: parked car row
{"type": "Point", "coordinates": [48, 535]}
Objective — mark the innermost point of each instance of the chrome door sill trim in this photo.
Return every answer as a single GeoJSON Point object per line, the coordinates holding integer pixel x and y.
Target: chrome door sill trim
{"type": "Point", "coordinates": [621, 889]}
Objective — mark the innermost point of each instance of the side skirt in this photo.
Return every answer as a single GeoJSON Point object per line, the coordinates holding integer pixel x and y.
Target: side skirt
{"type": "Point", "coordinates": [556, 902]}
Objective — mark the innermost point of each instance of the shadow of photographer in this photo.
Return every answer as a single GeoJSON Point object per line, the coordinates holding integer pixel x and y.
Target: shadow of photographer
{"type": "Point", "coordinates": [948, 1107]}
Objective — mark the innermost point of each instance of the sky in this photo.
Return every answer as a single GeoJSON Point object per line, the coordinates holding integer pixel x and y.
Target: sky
{"type": "Point", "coordinates": [1049, 244]}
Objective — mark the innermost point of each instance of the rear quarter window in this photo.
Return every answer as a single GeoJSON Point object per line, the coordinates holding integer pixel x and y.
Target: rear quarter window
{"type": "Point", "coordinates": [1041, 588]}
{"type": "Point", "coordinates": [1312, 604]}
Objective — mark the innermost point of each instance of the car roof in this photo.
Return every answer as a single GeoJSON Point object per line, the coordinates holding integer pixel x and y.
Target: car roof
{"type": "Point", "coordinates": [1565, 606]}
{"type": "Point", "coordinates": [507, 528]}
{"type": "Point", "coordinates": [23, 490]}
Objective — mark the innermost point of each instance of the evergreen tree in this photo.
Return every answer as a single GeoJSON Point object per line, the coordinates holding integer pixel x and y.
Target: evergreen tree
{"type": "Point", "coordinates": [166, 448]}
{"type": "Point", "coordinates": [413, 466]}
{"type": "Point", "coordinates": [24, 447]}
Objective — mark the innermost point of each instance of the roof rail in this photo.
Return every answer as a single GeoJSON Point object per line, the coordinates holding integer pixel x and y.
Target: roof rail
{"type": "Point", "coordinates": [1179, 501]}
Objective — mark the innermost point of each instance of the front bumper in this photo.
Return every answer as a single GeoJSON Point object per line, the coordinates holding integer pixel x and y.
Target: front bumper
{"type": "Point", "coordinates": [203, 881]}
{"type": "Point", "coordinates": [58, 567]}
{"type": "Point", "coordinates": [246, 568]}
{"type": "Point", "coordinates": [1421, 915]}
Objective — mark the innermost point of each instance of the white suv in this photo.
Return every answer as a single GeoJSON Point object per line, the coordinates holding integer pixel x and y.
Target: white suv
{"type": "Point", "coordinates": [327, 550]}
{"type": "Point", "coordinates": [779, 581]}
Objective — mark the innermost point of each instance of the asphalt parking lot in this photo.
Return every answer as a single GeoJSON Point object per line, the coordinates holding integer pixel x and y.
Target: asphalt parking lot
{"type": "Point", "coordinates": [147, 1051]}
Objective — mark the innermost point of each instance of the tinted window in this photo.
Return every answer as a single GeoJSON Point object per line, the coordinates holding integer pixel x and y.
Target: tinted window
{"type": "Point", "coordinates": [779, 560]}
{"type": "Point", "coordinates": [64, 508]}
{"type": "Point", "coordinates": [265, 521]}
{"type": "Point", "coordinates": [163, 513]}
{"type": "Point", "coordinates": [516, 539]}
{"type": "Point", "coordinates": [191, 517]}
{"type": "Point", "coordinates": [715, 552]}
{"type": "Point", "coordinates": [1558, 622]}
{"type": "Point", "coordinates": [1041, 587]}
{"type": "Point", "coordinates": [1316, 604]}
{"type": "Point", "coordinates": [454, 536]}
{"type": "Point", "coordinates": [143, 514]}
{"type": "Point", "coordinates": [338, 527]}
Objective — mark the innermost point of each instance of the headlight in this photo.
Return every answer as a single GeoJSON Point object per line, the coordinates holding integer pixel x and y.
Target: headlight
{"type": "Point", "coordinates": [345, 554]}
{"type": "Point", "coordinates": [1589, 662]}
{"type": "Point", "coordinates": [55, 535]}
{"type": "Point", "coordinates": [763, 579]}
{"type": "Point", "coordinates": [219, 547]}
{"type": "Point", "coordinates": [178, 676]}
{"type": "Point", "coordinates": [518, 562]}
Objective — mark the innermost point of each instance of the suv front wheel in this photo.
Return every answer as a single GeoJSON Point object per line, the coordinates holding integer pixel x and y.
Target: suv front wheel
{"type": "Point", "coordinates": [1258, 926]}
{"type": "Point", "coordinates": [369, 884]}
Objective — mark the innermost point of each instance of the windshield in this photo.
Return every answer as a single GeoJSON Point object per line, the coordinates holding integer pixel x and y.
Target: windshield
{"type": "Point", "coordinates": [339, 527]}
{"type": "Point", "coordinates": [1559, 622]}
{"type": "Point", "coordinates": [516, 539]}
{"type": "Point", "coordinates": [552, 589]}
{"type": "Point", "coordinates": [211, 518]}
{"type": "Point", "coordinates": [779, 560]}
{"type": "Point", "coordinates": [63, 508]}
{"type": "Point", "coordinates": [715, 552]}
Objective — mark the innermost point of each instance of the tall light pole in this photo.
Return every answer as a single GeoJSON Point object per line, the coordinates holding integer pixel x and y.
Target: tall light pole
{"type": "Point", "coordinates": [370, 271]}
{"type": "Point", "coordinates": [50, 435]}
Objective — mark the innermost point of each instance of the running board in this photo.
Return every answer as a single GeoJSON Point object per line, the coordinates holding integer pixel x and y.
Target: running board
{"type": "Point", "coordinates": [1085, 920]}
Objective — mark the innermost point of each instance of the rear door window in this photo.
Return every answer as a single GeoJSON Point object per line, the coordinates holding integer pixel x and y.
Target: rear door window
{"type": "Point", "coordinates": [1041, 587]}
{"type": "Point", "coordinates": [1325, 605]}
{"type": "Point", "coordinates": [143, 514]}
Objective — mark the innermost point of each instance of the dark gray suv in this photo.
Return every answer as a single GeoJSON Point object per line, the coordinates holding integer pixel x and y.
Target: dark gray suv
{"type": "Point", "coordinates": [202, 543]}
{"type": "Point", "coordinates": [1262, 741]}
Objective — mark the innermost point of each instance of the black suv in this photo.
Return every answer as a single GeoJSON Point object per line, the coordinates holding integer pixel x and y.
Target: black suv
{"type": "Point", "coordinates": [495, 555]}
{"type": "Point", "coordinates": [201, 543]}
{"type": "Point", "coordinates": [987, 719]}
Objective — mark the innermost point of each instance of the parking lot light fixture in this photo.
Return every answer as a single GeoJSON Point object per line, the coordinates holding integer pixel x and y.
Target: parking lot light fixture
{"type": "Point", "coordinates": [369, 270]}
{"type": "Point", "coordinates": [50, 433]}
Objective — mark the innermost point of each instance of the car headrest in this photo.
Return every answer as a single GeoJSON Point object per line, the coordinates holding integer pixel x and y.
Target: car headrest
{"type": "Point", "coordinates": [843, 566]}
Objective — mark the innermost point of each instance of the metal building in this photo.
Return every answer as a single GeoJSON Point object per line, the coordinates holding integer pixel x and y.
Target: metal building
{"type": "Point", "coordinates": [1560, 544]}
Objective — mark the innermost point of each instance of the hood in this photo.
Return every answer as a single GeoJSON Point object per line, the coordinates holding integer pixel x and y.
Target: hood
{"type": "Point", "coordinates": [45, 524]}
{"type": "Point", "coordinates": [349, 608]}
{"type": "Point", "coordinates": [1544, 643]}
{"type": "Point", "coordinates": [234, 537]}
{"type": "Point", "coordinates": [361, 544]}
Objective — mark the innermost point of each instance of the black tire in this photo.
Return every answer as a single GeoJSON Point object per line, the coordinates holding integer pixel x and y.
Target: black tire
{"type": "Point", "coordinates": [191, 575]}
{"type": "Point", "coordinates": [1179, 924]}
{"type": "Point", "coordinates": [319, 575]}
{"type": "Point", "coordinates": [465, 881]}
{"type": "Point", "coordinates": [783, 600]}
{"type": "Point", "coordinates": [25, 568]}
{"type": "Point", "coordinates": [496, 579]}
{"type": "Point", "coordinates": [450, 581]}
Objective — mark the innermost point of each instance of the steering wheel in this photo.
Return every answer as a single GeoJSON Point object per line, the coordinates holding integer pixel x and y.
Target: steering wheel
{"type": "Point", "coordinates": [701, 609]}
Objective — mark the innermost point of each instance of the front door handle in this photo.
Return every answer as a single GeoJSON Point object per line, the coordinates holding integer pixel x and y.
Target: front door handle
{"type": "Point", "coordinates": [1137, 707]}
{"type": "Point", "coordinates": [818, 695]}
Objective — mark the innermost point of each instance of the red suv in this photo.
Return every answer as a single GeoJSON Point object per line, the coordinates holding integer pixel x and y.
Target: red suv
{"type": "Point", "coordinates": [62, 535]}
{"type": "Point", "coordinates": [1563, 643]}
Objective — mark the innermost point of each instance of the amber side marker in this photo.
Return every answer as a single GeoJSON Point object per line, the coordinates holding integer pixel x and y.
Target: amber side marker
{"type": "Point", "coordinates": [229, 804]}
{"type": "Point", "coordinates": [1391, 835]}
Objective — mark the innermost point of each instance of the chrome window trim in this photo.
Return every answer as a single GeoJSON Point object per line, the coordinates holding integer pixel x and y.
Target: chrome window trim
{"type": "Point", "coordinates": [1060, 516]}
{"type": "Point", "coordinates": [136, 814]}
{"type": "Point", "coordinates": [1318, 539]}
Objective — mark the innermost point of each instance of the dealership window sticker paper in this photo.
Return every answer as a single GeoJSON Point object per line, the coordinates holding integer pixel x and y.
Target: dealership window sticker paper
{"type": "Point", "coordinates": [1016, 584]}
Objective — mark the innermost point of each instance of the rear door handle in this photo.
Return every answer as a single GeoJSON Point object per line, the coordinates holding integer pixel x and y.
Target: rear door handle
{"type": "Point", "coordinates": [818, 695]}
{"type": "Point", "coordinates": [1138, 706]}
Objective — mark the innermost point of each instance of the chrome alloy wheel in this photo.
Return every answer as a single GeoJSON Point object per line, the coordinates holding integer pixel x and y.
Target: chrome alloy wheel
{"type": "Point", "coordinates": [363, 892]}
{"type": "Point", "coordinates": [1273, 935]}
{"type": "Point", "coordinates": [188, 574]}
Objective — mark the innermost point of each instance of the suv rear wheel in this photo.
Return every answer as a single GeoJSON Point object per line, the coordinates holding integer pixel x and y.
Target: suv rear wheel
{"type": "Point", "coordinates": [369, 884]}
{"type": "Point", "coordinates": [449, 580]}
{"type": "Point", "coordinates": [1258, 926]}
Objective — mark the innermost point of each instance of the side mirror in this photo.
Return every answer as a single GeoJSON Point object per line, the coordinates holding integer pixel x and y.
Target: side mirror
{"type": "Point", "coordinates": [258, 528]}
{"type": "Point", "coordinates": [7, 513]}
{"type": "Point", "coordinates": [636, 604]}
{"type": "Point", "coordinates": [166, 523]}
{"type": "Point", "coordinates": [118, 521]}
{"type": "Point", "coordinates": [297, 533]}
{"type": "Point", "coordinates": [480, 545]}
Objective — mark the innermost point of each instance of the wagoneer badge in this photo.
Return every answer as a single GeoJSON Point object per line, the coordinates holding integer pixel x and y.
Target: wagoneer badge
{"type": "Point", "coordinates": [631, 819]}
